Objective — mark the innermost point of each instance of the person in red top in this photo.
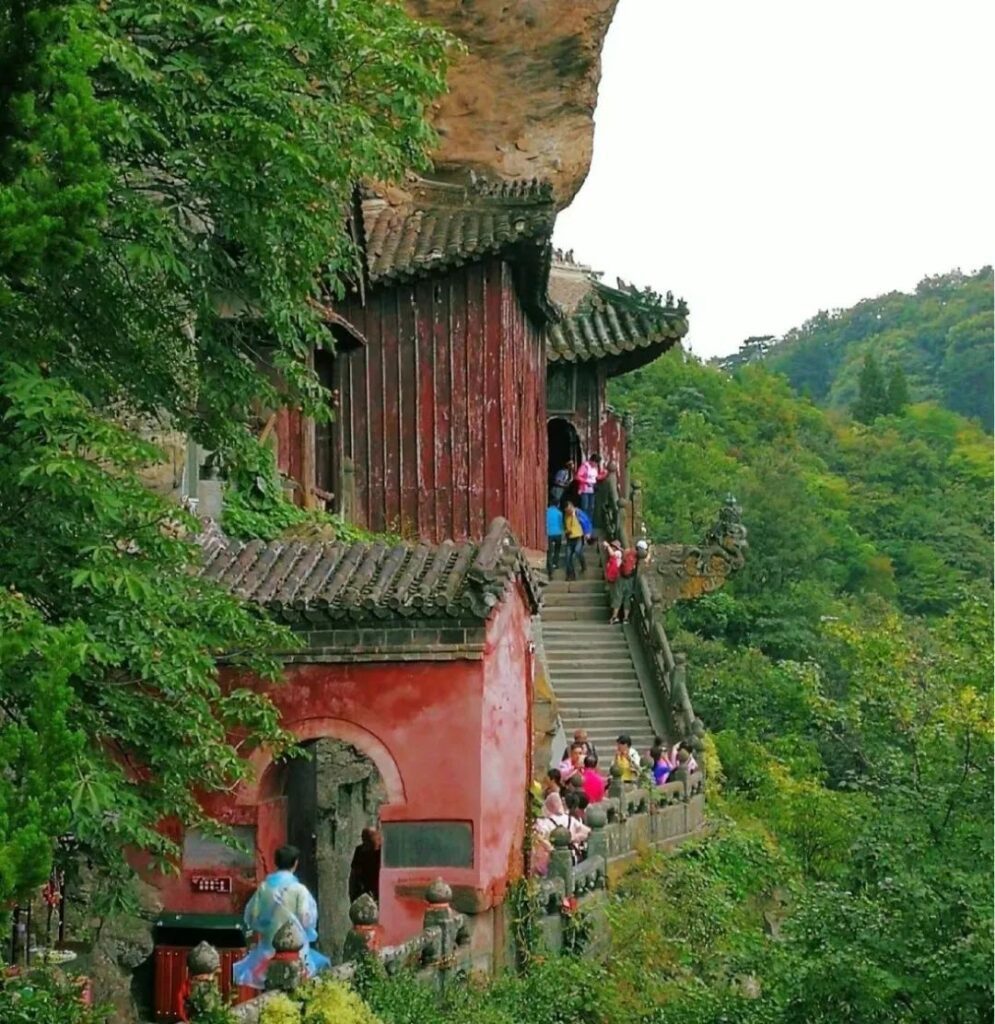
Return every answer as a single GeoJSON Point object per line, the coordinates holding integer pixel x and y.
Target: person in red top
{"type": "Point", "coordinates": [594, 783]}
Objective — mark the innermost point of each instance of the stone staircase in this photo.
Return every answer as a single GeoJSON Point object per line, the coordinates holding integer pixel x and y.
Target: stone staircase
{"type": "Point", "coordinates": [590, 663]}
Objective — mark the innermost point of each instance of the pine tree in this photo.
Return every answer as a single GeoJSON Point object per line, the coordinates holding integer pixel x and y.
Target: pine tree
{"type": "Point", "coordinates": [872, 397]}
{"type": "Point", "coordinates": [898, 390]}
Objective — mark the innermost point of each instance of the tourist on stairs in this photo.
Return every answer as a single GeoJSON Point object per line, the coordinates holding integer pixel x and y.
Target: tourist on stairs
{"type": "Point", "coordinates": [613, 566]}
{"type": "Point", "coordinates": [574, 764]}
{"type": "Point", "coordinates": [279, 900]}
{"type": "Point", "coordinates": [661, 765]}
{"type": "Point", "coordinates": [594, 782]}
{"type": "Point", "coordinates": [675, 756]}
{"type": "Point", "coordinates": [588, 474]}
{"type": "Point", "coordinates": [554, 536]}
{"type": "Point", "coordinates": [580, 736]}
{"type": "Point", "coordinates": [562, 480]}
{"type": "Point", "coordinates": [574, 533]}
{"type": "Point", "coordinates": [586, 524]}
{"type": "Point", "coordinates": [627, 758]}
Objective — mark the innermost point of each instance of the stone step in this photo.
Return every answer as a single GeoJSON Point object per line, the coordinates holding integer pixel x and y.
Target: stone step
{"type": "Point", "coordinates": [592, 597]}
{"type": "Point", "coordinates": [566, 687]}
{"type": "Point", "coordinates": [587, 698]}
{"type": "Point", "coordinates": [557, 587]}
{"type": "Point", "coordinates": [574, 614]}
{"type": "Point", "coordinates": [584, 645]}
{"type": "Point", "coordinates": [584, 654]}
{"type": "Point", "coordinates": [585, 640]}
{"type": "Point", "coordinates": [606, 659]}
{"type": "Point", "coordinates": [597, 671]}
{"type": "Point", "coordinates": [583, 649]}
{"type": "Point", "coordinates": [604, 630]}
{"type": "Point", "coordinates": [592, 687]}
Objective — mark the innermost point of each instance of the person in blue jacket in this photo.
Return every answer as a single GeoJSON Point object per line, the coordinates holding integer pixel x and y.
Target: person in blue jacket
{"type": "Point", "coordinates": [554, 536]}
{"type": "Point", "coordinates": [280, 899]}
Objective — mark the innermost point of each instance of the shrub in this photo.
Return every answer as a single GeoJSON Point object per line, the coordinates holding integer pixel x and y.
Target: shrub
{"type": "Point", "coordinates": [42, 997]}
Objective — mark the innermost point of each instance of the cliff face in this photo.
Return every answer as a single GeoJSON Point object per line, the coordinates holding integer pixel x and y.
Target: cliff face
{"type": "Point", "coordinates": [521, 101]}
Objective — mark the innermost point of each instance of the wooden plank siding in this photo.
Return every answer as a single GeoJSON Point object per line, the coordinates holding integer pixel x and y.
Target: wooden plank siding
{"type": "Point", "coordinates": [598, 428]}
{"type": "Point", "coordinates": [442, 414]}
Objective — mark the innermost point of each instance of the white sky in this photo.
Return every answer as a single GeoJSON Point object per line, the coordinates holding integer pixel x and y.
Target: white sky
{"type": "Point", "coordinates": [770, 158]}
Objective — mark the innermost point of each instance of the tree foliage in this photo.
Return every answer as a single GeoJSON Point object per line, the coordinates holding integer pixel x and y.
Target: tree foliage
{"type": "Point", "coordinates": [872, 392]}
{"type": "Point", "coordinates": [941, 335]}
{"type": "Point", "coordinates": [175, 192]}
{"type": "Point", "coordinates": [846, 675]}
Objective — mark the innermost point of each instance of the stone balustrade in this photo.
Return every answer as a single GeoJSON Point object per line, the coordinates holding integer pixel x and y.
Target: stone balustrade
{"type": "Point", "coordinates": [631, 819]}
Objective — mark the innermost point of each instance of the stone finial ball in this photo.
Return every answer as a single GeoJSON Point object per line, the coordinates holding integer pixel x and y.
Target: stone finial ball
{"type": "Point", "coordinates": [615, 771]}
{"type": "Point", "coordinates": [698, 727]}
{"type": "Point", "coordinates": [560, 837]}
{"type": "Point", "coordinates": [596, 816]}
{"type": "Point", "coordinates": [203, 959]}
{"type": "Point", "coordinates": [438, 892]}
{"type": "Point", "coordinates": [364, 910]}
{"type": "Point", "coordinates": [288, 938]}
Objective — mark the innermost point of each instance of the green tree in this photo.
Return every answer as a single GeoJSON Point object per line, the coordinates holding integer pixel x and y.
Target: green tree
{"type": "Point", "coordinates": [898, 390]}
{"type": "Point", "coordinates": [175, 188]}
{"type": "Point", "coordinates": [872, 396]}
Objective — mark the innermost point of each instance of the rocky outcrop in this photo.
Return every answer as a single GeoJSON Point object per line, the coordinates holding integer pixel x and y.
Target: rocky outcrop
{"type": "Point", "coordinates": [521, 99]}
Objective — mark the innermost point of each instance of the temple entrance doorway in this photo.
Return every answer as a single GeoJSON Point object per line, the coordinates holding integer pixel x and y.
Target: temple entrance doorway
{"type": "Point", "coordinates": [333, 794]}
{"type": "Point", "coordinates": [563, 447]}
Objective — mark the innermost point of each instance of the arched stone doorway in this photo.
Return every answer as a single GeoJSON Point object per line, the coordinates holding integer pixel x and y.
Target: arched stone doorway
{"type": "Point", "coordinates": [332, 793]}
{"type": "Point", "coordinates": [563, 445]}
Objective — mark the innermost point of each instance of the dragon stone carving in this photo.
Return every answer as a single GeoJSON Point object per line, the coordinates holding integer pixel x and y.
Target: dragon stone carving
{"type": "Point", "coordinates": [682, 572]}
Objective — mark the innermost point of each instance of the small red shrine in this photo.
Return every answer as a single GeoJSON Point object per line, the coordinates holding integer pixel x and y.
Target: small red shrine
{"type": "Point", "coordinates": [471, 362]}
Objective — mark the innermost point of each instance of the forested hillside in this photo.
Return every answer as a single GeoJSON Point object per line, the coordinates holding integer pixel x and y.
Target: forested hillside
{"type": "Point", "coordinates": [845, 877]}
{"type": "Point", "coordinates": [846, 678]}
{"type": "Point", "coordinates": [941, 336]}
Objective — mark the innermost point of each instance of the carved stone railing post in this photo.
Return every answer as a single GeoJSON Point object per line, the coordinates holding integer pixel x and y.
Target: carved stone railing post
{"type": "Point", "coordinates": [286, 970]}
{"type": "Point", "coordinates": [561, 859]}
{"type": "Point", "coordinates": [366, 935]}
{"type": "Point", "coordinates": [444, 928]}
{"type": "Point", "coordinates": [636, 509]}
{"type": "Point", "coordinates": [616, 789]}
{"type": "Point", "coordinates": [681, 773]}
{"type": "Point", "coordinates": [203, 972]}
{"type": "Point", "coordinates": [697, 740]}
{"type": "Point", "coordinates": [596, 818]}
{"type": "Point", "coordinates": [680, 702]}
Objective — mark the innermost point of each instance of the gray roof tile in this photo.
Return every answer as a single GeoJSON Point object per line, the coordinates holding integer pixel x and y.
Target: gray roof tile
{"type": "Point", "coordinates": [353, 583]}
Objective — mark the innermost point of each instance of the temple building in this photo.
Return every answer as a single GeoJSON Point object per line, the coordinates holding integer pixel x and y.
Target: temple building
{"type": "Point", "coordinates": [470, 362]}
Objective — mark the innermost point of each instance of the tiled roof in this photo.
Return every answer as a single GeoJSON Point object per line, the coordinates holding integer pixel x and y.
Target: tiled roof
{"type": "Point", "coordinates": [431, 225]}
{"type": "Point", "coordinates": [314, 581]}
{"type": "Point", "coordinates": [624, 324]}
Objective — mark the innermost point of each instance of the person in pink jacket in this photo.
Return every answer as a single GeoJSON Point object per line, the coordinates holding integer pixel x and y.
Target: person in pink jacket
{"type": "Point", "coordinates": [588, 474]}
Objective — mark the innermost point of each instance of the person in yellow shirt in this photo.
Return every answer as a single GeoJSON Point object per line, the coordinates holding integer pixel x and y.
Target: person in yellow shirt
{"type": "Point", "coordinates": [626, 758]}
{"type": "Point", "coordinates": [573, 532]}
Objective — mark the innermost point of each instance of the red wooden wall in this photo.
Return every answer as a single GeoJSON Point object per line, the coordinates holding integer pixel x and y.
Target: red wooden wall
{"type": "Point", "coordinates": [442, 414]}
